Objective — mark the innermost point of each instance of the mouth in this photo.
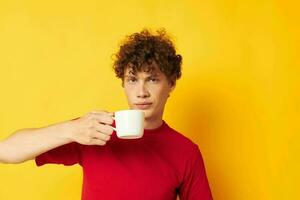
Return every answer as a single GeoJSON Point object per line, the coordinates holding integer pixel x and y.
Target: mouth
{"type": "Point", "coordinates": [143, 106]}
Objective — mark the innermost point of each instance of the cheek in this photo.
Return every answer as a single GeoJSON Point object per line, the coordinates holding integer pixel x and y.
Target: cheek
{"type": "Point", "coordinates": [128, 94]}
{"type": "Point", "coordinates": [161, 95]}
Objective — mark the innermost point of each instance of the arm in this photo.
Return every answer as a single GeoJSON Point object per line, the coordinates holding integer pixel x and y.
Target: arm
{"type": "Point", "coordinates": [195, 184]}
{"type": "Point", "coordinates": [91, 129]}
{"type": "Point", "coordinates": [26, 144]}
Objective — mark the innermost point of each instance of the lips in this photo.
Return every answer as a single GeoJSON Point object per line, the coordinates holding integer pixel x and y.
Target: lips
{"type": "Point", "coordinates": [143, 105]}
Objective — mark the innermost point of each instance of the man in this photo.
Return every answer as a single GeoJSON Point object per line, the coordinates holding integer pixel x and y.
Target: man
{"type": "Point", "coordinates": [159, 166]}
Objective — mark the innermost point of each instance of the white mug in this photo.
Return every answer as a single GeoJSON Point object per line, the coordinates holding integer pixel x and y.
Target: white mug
{"type": "Point", "coordinates": [129, 124]}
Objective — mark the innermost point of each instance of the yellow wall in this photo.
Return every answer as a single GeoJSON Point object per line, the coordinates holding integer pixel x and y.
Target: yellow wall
{"type": "Point", "coordinates": [238, 97]}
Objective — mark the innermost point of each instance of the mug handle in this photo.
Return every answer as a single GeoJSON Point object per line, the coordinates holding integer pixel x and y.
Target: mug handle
{"type": "Point", "coordinates": [114, 127]}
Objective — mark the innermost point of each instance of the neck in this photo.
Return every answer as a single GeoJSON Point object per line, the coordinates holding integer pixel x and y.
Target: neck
{"type": "Point", "coordinates": [153, 123]}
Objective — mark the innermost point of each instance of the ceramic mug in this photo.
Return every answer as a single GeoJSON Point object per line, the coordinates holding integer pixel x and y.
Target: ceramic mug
{"type": "Point", "coordinates": [129, 124]}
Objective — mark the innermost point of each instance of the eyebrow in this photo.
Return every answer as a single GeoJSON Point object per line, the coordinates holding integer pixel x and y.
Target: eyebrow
{"type": "Point", "coordinates": [128, 76]}
{"type": "Point", "coordinates": [151, 75]}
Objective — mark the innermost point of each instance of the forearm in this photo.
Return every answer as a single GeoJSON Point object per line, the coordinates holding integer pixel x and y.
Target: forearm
{"type": "Point", "coordinates": [26, 144]}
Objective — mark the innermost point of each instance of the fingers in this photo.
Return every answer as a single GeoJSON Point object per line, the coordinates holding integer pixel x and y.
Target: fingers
{"type": "Point", "coordinates": [93, 128]}
{"type": "Point", "coordinates": [102, 112]}
{"type": "Point", "coordinates": [102, 117]}
{"type": "Point", "coordinates": [104, 128]}
{"type": "Point", "coordinates": [100, 136]}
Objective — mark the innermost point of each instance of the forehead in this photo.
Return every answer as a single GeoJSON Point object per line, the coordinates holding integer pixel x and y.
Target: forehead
{"type": "Point", "coordinates": [145, 70]}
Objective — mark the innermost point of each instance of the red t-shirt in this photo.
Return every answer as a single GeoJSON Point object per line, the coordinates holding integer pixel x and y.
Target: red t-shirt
{"type": "Point", "coordinates": [159, 166]}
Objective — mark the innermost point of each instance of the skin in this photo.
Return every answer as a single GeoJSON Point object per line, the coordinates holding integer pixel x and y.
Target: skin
{"type": "Point", "coordinates": [91, 129]}
{"type": "Point", "coordinates": [151, 87]}
{"type": "Point", "coordinates": [95, 127]}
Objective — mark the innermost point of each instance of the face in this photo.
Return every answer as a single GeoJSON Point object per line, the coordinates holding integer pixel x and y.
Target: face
{"type": "Point", "coordinates": [147, 91]}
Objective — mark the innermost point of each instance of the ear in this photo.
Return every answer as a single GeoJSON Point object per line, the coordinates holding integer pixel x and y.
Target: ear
{"type": "Point", "coordinates": [173, 85]}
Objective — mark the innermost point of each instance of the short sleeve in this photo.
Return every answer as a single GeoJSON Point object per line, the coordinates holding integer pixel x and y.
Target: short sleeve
{"type": "Point", "coordinates": [195, 184]}
{"type": "Point", "coordinates": [67, 154]}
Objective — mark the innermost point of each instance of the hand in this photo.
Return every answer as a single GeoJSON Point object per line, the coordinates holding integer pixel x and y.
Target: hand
{"type": "Point", "coordinates": [93, 128]}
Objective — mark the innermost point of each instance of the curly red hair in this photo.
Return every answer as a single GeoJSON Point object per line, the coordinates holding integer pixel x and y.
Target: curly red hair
{"type": "Point", "coordinates": [143, 50]}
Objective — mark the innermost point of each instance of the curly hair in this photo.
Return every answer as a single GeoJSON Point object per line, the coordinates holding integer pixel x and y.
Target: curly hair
{"type": "Point", "coordinates": [143, 50]}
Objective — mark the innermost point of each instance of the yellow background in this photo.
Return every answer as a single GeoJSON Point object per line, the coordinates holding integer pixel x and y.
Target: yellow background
{"type": "Point", "coordinates": [238, 98]}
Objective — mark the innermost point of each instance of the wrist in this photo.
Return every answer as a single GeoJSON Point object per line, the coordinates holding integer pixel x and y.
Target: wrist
{"type": "Point", "coordinates": [62, 131]}
{"type": "Point", "coordinates": [67, 130]}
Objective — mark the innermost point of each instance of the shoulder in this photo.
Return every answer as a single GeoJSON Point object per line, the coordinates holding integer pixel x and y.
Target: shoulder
{"type": "Point", "coordinates": [181, 141]}
{"type": "Point", "coordinates": [184, 151]}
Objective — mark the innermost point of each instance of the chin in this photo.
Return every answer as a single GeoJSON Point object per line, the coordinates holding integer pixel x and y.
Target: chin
{"type": "Point", "coordinates": [147, 113]}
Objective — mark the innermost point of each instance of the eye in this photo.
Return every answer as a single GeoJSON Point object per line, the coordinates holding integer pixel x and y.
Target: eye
{"type": "Point", "coordinates": [131, 80]}
{"type": "Point", "coordinates": [153, 80]}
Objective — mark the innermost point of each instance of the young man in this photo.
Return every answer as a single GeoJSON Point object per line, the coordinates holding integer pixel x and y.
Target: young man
{"type": "Point", "coordinates": [159, 166]}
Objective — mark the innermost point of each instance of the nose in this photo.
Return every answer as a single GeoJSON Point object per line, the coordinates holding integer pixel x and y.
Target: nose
{"type": "Point", "coordinates": [142, 91]}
